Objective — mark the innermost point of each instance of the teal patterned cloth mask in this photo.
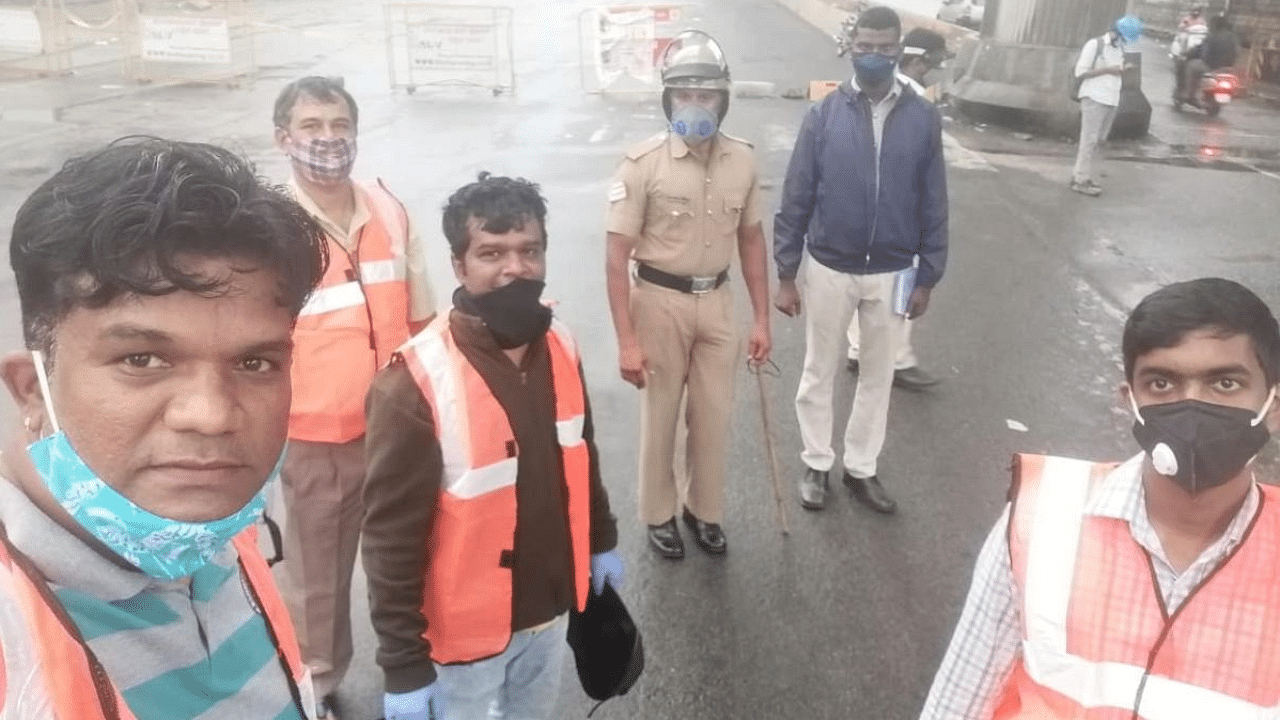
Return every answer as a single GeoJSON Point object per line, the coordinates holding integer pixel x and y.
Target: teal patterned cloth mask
{"type": "Point", "coordinates": [162, 548]}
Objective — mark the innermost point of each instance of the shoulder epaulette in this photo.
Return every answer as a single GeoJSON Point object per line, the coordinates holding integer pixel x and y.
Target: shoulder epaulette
{"type": "Point", "coordinates": [646, 146]}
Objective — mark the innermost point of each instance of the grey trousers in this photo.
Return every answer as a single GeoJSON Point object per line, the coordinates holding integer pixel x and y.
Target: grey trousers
{"type": "Point", "coordinates": [1095, 126]}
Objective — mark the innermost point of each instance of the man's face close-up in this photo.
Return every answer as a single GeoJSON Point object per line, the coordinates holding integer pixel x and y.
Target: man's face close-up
{"type": "Point", "coordinates": [494, 260]}
{"type": "Point", "coordinates": [179, 402]}
{"type": "Point", "coordinates": [312, 119]}
{"type": "Point", "coordinates": [1204, 366]}
{"type": "Point", "coordinates": [708, 100]}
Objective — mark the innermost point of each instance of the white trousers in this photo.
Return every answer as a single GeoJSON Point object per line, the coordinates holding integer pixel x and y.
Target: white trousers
{"type": "Point", "coordinates": [830, 299]}
{"type": "Point", "coordinates": [1095, 126]}
{"type": "Point", "coordinates": [906, 355]}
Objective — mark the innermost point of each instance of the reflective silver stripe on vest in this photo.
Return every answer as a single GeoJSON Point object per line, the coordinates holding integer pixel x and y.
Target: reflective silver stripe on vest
{"type": "Point", "coordinates": [1052, 549]}
{"type": "Point", "coordinates": [350, 294]}
{"type": "Point", "coordinates": [1115, 685]}
{"type": "Point", "coordinates": [381, 271]}
{"type": "Point", "coordinates": [452, 423]}
{"type": "Point", "coordinates": [569, 431]}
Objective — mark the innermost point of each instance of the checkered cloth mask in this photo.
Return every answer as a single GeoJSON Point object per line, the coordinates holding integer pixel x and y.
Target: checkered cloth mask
{"type": "Point", "coordinates": [323, 161]}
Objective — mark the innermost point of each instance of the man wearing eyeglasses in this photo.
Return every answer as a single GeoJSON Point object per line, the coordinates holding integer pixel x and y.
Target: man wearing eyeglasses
{"type": "Point", "coordinates": [866, 195]}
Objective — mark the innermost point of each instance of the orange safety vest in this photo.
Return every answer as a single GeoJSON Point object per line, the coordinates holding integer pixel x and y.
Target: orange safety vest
{"type": "Point", "coordinates": [1097, 639]}
{"type": "Point", "coordinates": [74, 680]}
{"type": "Point", "coordinates": [467, 599]}
{"type": "Point", "coordinates": [351, 325]}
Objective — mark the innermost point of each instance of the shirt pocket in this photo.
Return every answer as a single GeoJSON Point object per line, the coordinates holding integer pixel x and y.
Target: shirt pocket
{"type": "Point", "coordinates": [671, 216]}
{"type": "Point", "coordinates": [731, 214]}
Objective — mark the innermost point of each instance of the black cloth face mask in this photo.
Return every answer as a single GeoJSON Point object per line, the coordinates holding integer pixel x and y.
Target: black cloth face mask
{"type": "Point", "coordinates": [514, 313]}
{"type": "Point", "coordinates": [1200, 445]}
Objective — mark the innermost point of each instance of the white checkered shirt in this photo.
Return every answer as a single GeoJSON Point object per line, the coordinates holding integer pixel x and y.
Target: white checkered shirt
{"type": "Point", "coordinates": [987, 640]}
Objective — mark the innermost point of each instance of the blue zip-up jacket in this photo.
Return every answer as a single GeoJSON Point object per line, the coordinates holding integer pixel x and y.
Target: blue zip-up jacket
{"type": "Point", "coordinates": [830, 197]}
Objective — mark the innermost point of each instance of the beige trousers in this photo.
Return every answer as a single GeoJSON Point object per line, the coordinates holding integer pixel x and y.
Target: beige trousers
{"type": "Point", "coordinates": [830, 299]}
{"type": "Point", "coordinates": [906, 355]}
{"type": "Point", "coordinates": [323, 513]}
{"type": "Point", "coordinates": [692, 348]}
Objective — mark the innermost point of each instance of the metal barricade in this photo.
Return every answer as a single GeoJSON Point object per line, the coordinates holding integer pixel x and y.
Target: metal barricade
{"type": "Point", "coordinates": [49, 37]}
{"type": "Point", "coordinates": [203, 41]}
{"type": "Point", "coordinates": [621, 45]}
{"type": "Point", "coordinates": [470, 45]}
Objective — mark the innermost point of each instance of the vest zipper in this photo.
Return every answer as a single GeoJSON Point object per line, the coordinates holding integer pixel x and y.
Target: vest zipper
{"type": "Point", "coordinates": [275, 641]}
{"type": "Point", "coordinates": [1171, 618]}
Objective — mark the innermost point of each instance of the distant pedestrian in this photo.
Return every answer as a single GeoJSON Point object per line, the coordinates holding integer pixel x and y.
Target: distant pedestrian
{"type": "Point", "coordinates": [1145, 590]}
{"type": "Point", "coordinates": [866, 196]}
{"type": "Point", "coordinates": [923, 53]}
{"type": "Point", "coordinates": [1099, 69]}
{"type": "Point", "coordinates": [374, 295]}
{"type": "Point", "coordinates": [682, 205]}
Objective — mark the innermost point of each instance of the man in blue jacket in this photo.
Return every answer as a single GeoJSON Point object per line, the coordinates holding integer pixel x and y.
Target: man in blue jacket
{"type": "Point", "coordinates": [866, 191]}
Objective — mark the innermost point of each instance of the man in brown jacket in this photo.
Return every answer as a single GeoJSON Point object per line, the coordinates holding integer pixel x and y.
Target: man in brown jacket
{"type": "Point", "coordinates": [480, 432]}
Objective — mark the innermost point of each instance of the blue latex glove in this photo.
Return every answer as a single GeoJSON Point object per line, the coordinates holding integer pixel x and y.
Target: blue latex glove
{"type": "Point", "coordinates": [605, 566]}
{"type": "Point", "coordinates": [421, 704]}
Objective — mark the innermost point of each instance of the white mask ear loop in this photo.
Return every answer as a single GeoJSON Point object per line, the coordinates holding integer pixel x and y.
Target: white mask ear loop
{"type": "Point", "coordinates": [1262, 414]}
{"type": "Point", "coordinates": [1134, 405]}
{"type": "Point", "coordinates": [43, 378]}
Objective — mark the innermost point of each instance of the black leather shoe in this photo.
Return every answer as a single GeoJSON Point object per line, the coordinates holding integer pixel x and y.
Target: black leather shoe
{"type": "Point", "coordinates": [665, 538]}
{"type": "Point", "coordinates": [913, 378]}
{"type": "Point", "coordinates": [709, 536]}
{"type": "Point", "coordinates": [813, 489]}
{"type": "Point", "coordinates": [870, 492]}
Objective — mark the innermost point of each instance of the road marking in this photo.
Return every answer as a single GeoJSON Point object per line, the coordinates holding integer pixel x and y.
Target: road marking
{"type": "Point", "coordinates": [959, 156]}
{"type": "Point", "coordinates": [1255, 168]}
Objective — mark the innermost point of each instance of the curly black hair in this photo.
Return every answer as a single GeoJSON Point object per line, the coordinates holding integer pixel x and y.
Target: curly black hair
{"type": "Point", "coordinates": [501, 204]}
{"type": "Point", "coordinates": [118, 220]}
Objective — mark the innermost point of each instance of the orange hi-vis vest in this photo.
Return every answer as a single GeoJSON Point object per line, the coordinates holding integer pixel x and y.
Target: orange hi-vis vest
{"type": "Point", "coordinates": [350, 326]}
{"type": "Point", "coordinates": [72, 680]}
{"type": "Point", "coordinates": [467, 598]}
{"type": "Point", "coordinates": [1098, 641]}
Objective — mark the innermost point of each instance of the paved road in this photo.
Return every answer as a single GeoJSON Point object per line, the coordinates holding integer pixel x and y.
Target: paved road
{"type": "Point", "coordinates": [849, 615]}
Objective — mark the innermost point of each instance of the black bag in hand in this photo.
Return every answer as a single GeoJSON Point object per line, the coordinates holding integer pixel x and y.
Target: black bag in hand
{"type": "Point", "coordinates": [606, 644]}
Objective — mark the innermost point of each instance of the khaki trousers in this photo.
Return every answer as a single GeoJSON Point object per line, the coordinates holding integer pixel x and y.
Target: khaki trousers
{"type": "Point", "coordinates": [830, 299]}
{"type": "Point", "coordinates": [323, 510]}
{"type": "Point", "coordinates": [692, 348]}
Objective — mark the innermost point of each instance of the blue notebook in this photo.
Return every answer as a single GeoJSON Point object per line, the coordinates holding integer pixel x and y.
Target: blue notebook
{"type": "Point", "coordinates": [904, 283]}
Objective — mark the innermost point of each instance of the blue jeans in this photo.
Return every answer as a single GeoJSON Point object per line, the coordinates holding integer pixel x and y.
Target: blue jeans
{"type": "Point", "coordinates": [520, 684]}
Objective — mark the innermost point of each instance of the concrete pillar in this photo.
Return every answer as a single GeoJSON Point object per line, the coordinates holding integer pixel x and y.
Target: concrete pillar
{"type": "Point", "coordinates": [1019, 70]}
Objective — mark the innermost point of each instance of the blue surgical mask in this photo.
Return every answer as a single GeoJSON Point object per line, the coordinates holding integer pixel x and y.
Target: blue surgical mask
{"type": "Point", "coordinates": [873, 68]}
{"type": "Point", "coordinates": [162, 548]}
{"type": "Point", "coordinates": [694, 124]}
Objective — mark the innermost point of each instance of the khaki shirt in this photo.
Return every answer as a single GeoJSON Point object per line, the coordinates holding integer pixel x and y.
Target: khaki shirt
{"type": "Point", "coordinates": [685, 214]}
{"type": "Point", "coordinates": [422, 300]}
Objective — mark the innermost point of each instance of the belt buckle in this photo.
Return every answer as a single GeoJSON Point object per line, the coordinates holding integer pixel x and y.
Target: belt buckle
{"type": "Point", "coordinates": [702, 285]}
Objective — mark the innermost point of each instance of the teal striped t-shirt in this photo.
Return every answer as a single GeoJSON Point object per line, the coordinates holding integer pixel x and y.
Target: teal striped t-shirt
{"type": "Point", "coordinates": [192, 649]}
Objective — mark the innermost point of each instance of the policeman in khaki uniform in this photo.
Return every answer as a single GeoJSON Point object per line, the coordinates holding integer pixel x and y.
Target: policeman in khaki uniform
{"type": "Point", "coordinates": [679, 204]}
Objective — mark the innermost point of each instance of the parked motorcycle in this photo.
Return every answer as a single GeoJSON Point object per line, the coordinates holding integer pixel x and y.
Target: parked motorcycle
{"type": "Point", "coordinates": [1216, 89]}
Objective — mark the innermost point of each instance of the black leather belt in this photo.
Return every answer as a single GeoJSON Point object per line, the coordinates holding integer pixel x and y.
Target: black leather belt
{"type": "Point", "coordinates": [684, 283]}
